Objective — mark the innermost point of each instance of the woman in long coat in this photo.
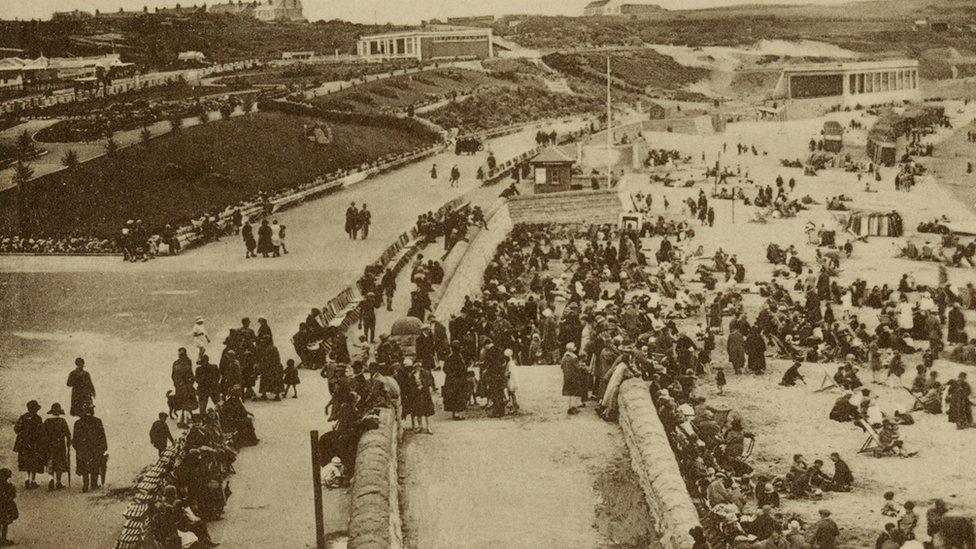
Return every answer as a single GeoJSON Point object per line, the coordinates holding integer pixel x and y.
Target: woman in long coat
{"type": "Point", "coordinates": [271, 370]}
{"type": "Point", "coordinates": [571, 377]}
{"type": "Point", "coordinates": [265, 246]}
{"type": "Point", "coordinates": [57, 440]}
{"type": "Point", "coordinates": [960, 407]}
{"type": "Point", "coordinates": [455, 382]}
{"type": "Point", "coordinates": [249, 243]}
{"type": "Point", "coordinates": [756, 351]}
{"type": "Point", "coordinates": [29, 444]}
{"type": "Point", "coordinates": [735, 345]}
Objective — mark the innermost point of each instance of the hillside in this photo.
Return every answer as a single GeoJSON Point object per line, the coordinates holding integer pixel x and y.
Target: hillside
{"type": "Point", "coordinates": [875, 26]}
{"type": "Point", "coordinates": [154, 41]}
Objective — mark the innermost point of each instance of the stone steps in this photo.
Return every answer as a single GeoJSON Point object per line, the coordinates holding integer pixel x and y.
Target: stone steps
{"type": "Point", "coordinates": [590, 207]}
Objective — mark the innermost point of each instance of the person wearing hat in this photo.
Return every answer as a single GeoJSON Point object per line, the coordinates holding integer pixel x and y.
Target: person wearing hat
{"type": "Point", "coordinates": [250, 244]}
{"type": "Point", "coordinates": [90, 446]}
{"type": "Point", "coordinates": [29, 444]}
{"type": "Point", "coordinates": [8, 505]}
{"type": "Point", "coordinates": [82, 388]}
{"type": "Point", "coordinates": [571, 374]}
{"type": "Point", "coordinates": [160, 435]}
{"type": "Point", "coordinates": [352, 220]}
{"type": "Point", "coordinates": [823, 534]}
{"type": "Point", "coordinates": [57, 441]}
{"type": "Point", "coordinates": [200, 337]}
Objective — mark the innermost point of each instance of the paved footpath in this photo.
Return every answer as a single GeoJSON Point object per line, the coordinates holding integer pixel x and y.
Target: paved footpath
{"type": "Point", "coordinates": [128, 319]}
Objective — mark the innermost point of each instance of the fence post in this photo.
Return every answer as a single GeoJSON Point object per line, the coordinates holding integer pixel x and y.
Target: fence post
{"type": "Point", "coordinates": [317, 491]}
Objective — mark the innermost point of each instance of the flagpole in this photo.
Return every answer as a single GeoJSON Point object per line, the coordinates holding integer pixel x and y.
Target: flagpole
{"type": "Point", "coordinates": [609, 125]}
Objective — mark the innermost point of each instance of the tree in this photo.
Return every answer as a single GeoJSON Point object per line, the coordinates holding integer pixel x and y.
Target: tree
{"type": "Point", "coordinates": [111, 147]}
{"type": "Point", "coordinates": [70, 160]}
{"type": "Point", "coordinates": [23, 173]}
{"type": "Point", "coordinates": [144, 136]}
{"type": "Point", "coordinates": [25, 147]}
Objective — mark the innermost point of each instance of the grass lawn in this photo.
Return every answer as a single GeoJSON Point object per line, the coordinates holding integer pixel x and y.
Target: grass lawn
{"type": "Point", "coordinates": [641, 68]}
{"type": "Point", "coordinates": [497, 107]}
{"type": "Point", "coordinates": [401, 91]}
{"type": "Point", "coordinates": [199, 169]}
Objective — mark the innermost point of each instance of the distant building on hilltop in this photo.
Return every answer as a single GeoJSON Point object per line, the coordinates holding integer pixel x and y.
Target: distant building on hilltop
{"type": "Point", "coordinates": [621, 7]}
{"type": "Point", "coordinates": [426, 43]}
{"type": "Point", "coordinates": [73, 15]}
{"type": "Point", "coordinates": [180, 11]}
{"type": "Point", "coordinates": [280, 10]}
{"type": "Point", "coordinates": [235, 8]}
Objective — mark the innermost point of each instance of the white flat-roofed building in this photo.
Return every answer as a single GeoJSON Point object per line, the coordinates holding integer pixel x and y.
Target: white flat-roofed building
{"type": "Point", "coordinates": [439, 42]}
{"type": "Point", "coordinates": [851, 83]}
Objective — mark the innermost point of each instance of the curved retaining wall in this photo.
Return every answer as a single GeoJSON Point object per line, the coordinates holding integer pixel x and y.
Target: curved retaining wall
{"type": "Point", "coordinates": [374, 521]}
{"type": "Point", "coordinates": [654, 462]}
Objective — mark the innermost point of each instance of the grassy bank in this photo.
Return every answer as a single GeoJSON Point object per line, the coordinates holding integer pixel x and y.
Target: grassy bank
{"type": "Point", "coordinates": [197, 170]}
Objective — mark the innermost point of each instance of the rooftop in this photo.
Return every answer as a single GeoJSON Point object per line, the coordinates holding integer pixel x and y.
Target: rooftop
{"type": "Point", "coordinates": [849, 66]}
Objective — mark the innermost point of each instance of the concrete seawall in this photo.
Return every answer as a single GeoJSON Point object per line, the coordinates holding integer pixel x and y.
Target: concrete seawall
{"type": "Point", "coordinates": [654, 462]}
{"type": "Point", "coordinates": [374, 521]}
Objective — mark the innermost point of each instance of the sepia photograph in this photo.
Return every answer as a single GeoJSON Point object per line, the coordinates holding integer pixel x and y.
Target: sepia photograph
{"type": "Point", "coordinates": [511, 274]}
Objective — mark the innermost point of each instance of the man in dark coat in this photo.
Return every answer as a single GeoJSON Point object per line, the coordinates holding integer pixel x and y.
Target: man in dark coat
{"type": "Point", "coordinates": [207, 377]}
{"type": "Point", "coordinates": [365, 218]}
{"type": "Point", "coordinates": [82, 388]}
{"type": "Point", "coordinates": [736, 349]}
{"type": "Point", "coordinates": [352, 220]}
{"type": "Point", "coordinates": [159, 434]}
{"type": "Point", "coordinates": [90, 446]}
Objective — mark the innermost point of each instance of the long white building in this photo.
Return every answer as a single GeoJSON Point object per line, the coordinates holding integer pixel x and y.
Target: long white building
{"type": "Point", "coordinates": [851, 83]}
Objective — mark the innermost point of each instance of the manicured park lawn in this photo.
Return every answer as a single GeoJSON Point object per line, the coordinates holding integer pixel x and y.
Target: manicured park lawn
{"type": "Point", "coordinates": [197, 170]}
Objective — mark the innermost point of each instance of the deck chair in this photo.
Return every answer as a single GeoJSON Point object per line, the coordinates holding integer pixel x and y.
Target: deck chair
{"type": "Point", "coordinates": [826, 382]}
{"type": "Point", "coordinates": [872, 444]}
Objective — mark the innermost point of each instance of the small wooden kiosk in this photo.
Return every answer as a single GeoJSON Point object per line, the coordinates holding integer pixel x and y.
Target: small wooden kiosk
{"type": "Point", "coordinates": [552, 170]}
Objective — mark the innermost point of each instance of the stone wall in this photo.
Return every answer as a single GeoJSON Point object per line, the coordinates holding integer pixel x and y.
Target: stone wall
{"type": "Point", "coordinates": [374, 521]}
{"type": "Point", "coordinates": [654, 463]}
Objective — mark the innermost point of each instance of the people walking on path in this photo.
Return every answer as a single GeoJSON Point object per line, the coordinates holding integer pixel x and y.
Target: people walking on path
{"type": "Point", "coordinates": [90, 447]}
{"type": "Point", "coordinates": [352, 221]}
{"type": "Point", "coordinates": [29, 444]}
{"type": "Point", "coordinates": [82, 388]}
{"type": "Point", "coordinates": [265, 245]}
{"type": "Point", "coordinates": [57, 444]}
{"type": "Point", "coordinates": [159, 434]}
{"type": "Point", "coordinates": [365, 218]}
{"type": "Point", "coordinates": [8, 505]}
{"type": "Point", "coordinates": [250, 244]}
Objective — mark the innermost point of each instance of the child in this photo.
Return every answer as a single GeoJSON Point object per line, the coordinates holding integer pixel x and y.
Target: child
{"type": "Point", "coordinates": [720, 379]}
{"type": "Point", "coordinates": [281, 239]}
{"type": "Point", "coordinates": [291, 378]}
{"type": "Point", "coordinates": [200, 337]}
{"type": "Point", "coordinates": [472, 382]}
{"type": "Point", "coordinates": [332, 473]}
{"type": "Point", "coordinates": [8, 505]}
{"type": "Point", "coordinates": [890, 508]}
